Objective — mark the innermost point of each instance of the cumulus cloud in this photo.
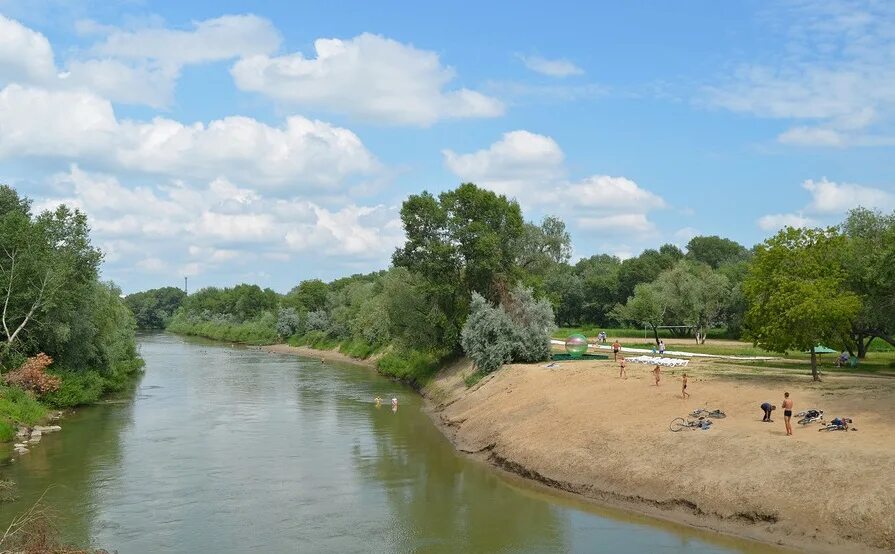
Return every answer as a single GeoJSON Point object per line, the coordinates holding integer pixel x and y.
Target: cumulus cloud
{"type": "Point", "coordinates": [131, 66]}
{"type": "Point", "coordinates": [218, 224]}
{"type": "Point", "coordinates": [369, 77]}
{"type": "Point", "coordinates": [828, 197]}
{"type": "Point", "coordinates": [518, 160]}
{"type": "Point", "coordinates": [774, 222]}
{"type": "Point", "coordinates": [837, 75]}
{"type": "Point", "coordinates": [552, 68]}
{"type": "Point", "coordinates": [301, 154]}
{"type": "Point", "coordinates": [220, 38]}
{"type": "Point", "coordinates": [530, 167]}
{"type": "Point", "coordinates": [25, 55]}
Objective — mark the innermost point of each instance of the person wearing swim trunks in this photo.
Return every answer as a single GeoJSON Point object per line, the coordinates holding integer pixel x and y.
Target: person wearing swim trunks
{"type": "Point", "coordinates": [684, 393]}
{"type": "Point", "coordinates": [767, 408]}
{"type": "Point", "coordinates": [621, 369]}
{"type": "Point", "coordinates": [787, 412]}
{"type": "Point", "coordinates": [657, 371]}
{"type": "Point", "coordinates": [616, 346]}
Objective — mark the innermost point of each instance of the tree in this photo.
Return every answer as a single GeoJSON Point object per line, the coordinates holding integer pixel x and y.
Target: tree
{"type": "Point", "coordinates": [647, 306]}
{"type": "Point", "coordinates": [464, 241]}
{"type": "Point", "coordinates": [694, 295]}
{"type": "Point", "coordinates": [544, 246]}
{"type": "Point", "coordinates": [308, 296]}
{"type": "Point", "coordinates": [796, 294]}
{"type": "Point", "coordinates": [870, 235]}
{"type": "Point", "coordinates": [715, 250]}
{"type": "Point", "coordinates": [47, 266]}
{"type": "Point", "coordinates": [153, 308]}
{"type": "Point", "coordinates": [645, 268]}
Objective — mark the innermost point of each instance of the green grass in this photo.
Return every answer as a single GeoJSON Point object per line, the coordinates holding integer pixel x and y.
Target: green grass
{"type": "Point", "coordinates": [592, 331]}
{"type": "Point", "coordinates": [7, 431]}
{"type": "Point", "coordinates": [249, 332]}
{"type": "Point", "coordinates": [357, 348]}
{"type": "Point", "coordinates": [314, 339]}
{"type": "Point", "coordinates": [18, 407]}
{"type": "Point", "coordinates": [473, 378]}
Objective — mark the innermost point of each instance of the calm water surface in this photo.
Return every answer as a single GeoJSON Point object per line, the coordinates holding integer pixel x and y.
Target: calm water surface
{"type": "Point", "coordinates": [227, 449]}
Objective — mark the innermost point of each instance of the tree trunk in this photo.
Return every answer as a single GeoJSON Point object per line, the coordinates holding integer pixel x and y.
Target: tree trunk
{"type": "Point", "coordinates": [656, 334]}
{"type": "Point", "coordinates": [863, 347]}
{"type": "Point", "coordinates": [814, 374]}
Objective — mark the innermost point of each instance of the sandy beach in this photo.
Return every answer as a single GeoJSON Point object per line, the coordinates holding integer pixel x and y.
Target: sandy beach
{"type": "Point", "coordinates": [578, 428]}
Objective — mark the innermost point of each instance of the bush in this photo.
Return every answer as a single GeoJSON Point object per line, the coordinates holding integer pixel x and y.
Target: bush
{"type": "Point", "coordinates": [487, 335]}
{"type": "Point", "coordinates": [409, 365]}
{"type": "Point", "coordinates": [290, 322]}
{"type": "Point", "coordinates": [77, 389]}
{"type": "Point", "coordinates": [261, 330]}
{"type": "Point", "coordinates": [31, 375]}
{"type": "Point", "coordinates": [357, 348]}
{"type": "Point", "coordinates": [318, 320]}
{"type": "Point", "coordinates": [518, 330]}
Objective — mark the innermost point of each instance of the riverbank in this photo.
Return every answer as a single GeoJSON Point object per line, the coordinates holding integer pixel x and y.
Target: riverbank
{"type": "Point", "coordinates": [328, 355]}
{"type": "Point", "coordinates": [576, 427]}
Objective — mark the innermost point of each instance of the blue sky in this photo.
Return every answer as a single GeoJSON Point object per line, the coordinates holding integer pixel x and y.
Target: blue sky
{"type": "Point", "coordinates": [272, 142]}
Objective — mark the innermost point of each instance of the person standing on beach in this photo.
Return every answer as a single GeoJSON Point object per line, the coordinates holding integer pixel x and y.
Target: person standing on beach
{"type": "Point", "coordinates": [657, 371]}
{"type": "Point", "coordinates": [616, 346]}
{"type": "Point", "coordinates": [621, 369]}
{"type": "Point", "coordinates": [684, 393]}
{"type": "Point", "coordinates": [661, 347]}
{"type": "Point", "coordinates": [787, 412]}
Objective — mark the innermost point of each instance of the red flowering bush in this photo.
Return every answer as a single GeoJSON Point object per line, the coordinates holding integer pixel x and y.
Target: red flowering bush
{"type": "Point", "coordinates": [32, 376]}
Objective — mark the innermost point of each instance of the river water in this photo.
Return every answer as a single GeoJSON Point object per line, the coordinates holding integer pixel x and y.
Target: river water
{"type": "Point", "coordinates": [229, 449]}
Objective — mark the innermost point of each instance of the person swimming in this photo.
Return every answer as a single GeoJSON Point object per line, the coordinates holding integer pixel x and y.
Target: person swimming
{"type": "Point", "coordinates": [378, 401]}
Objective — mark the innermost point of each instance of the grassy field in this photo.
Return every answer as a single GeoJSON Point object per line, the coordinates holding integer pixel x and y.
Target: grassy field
{"type": "Point", "coordinates": [880, 359]}
{"type": "Point", "coordinates": [591, 332]}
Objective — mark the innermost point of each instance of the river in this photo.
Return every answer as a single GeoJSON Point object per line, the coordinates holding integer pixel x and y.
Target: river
{"type": "Point", "coordinates": [231, 449]}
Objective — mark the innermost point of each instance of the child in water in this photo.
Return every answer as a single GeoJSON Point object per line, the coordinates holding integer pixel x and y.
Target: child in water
{"type": "Point", "coordinates": [378, 401]}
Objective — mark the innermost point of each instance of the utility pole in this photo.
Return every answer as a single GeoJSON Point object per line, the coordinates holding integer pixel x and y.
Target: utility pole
{"type": "Point", "coordinates": [185, 289]}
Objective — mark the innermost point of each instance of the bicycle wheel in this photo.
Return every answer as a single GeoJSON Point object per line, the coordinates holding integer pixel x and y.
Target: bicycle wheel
{"type": "Point", "coordinates": [678, 424]}
{"type": "Point", "coordinates": [717, 414]}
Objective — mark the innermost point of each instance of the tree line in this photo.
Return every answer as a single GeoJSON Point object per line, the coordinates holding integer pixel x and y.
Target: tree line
{"type": "Point", "coordinates": [54, 308]}
{"type": "Point", "coordinates": [470, 250]}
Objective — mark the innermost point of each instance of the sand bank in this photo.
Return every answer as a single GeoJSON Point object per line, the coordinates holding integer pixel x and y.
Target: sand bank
{"type": "Point", "coordinates": [580, 428]}
{"type": "Point", "coordinates": [577, 427]}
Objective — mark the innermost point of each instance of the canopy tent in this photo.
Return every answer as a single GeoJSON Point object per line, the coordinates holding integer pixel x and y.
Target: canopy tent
{"type": "Point", "coordinates": [821, 349]}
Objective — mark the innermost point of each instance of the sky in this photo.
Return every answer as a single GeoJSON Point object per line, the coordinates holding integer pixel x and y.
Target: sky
{"type": "Point", "coordinates": [273, 142]}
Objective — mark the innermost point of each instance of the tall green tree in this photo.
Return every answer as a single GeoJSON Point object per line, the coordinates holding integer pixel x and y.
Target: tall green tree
{"type": "Point", "coordinates": [870, 236]}
{"type": "Point", "coordinates": [465, 240]}
{"type": "Point", "coordinates": [695, 295]}
{"type": "Point", "coordinates": [153, 308]}
{"type": "Point", "coordinates": [796, 292]}
{"type": "Point", "coordinates": [715, 251]}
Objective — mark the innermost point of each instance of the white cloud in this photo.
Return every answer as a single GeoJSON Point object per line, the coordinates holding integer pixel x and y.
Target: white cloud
{"type": "Point", "coordinates": [221, 38]}
{"type": "Point", "coordinates": [302, 154]}
{"type": "Point", "coordinates": [154, 265]}
{"type": "Point", "coordinates": [24, 54]}
{"type": "Point", "coordinates": [131, 66]}
{"type": "Point", "coordinates": [553, 68]}
{"type": "Point", "coordinates": [369, 77]}
{"type": "Point", "coordinates": [531, 168]}
{"type": "Point", "coordinates": [219, 225]}
{"type": "Point", "coordinates": [828, 197]}
{"type": "Point", "coordinates": [812, 136]}
{"type": "Point", "coordinates": [122, 82]}
{"type": "Point", "coordinates": [519, 159]}
{"type": "Point", "coordinates": [836, 73]}
{"type": "Point", "coordinates": [774, 222]}
{"type": "Point", "coordinates": [627, 223]}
